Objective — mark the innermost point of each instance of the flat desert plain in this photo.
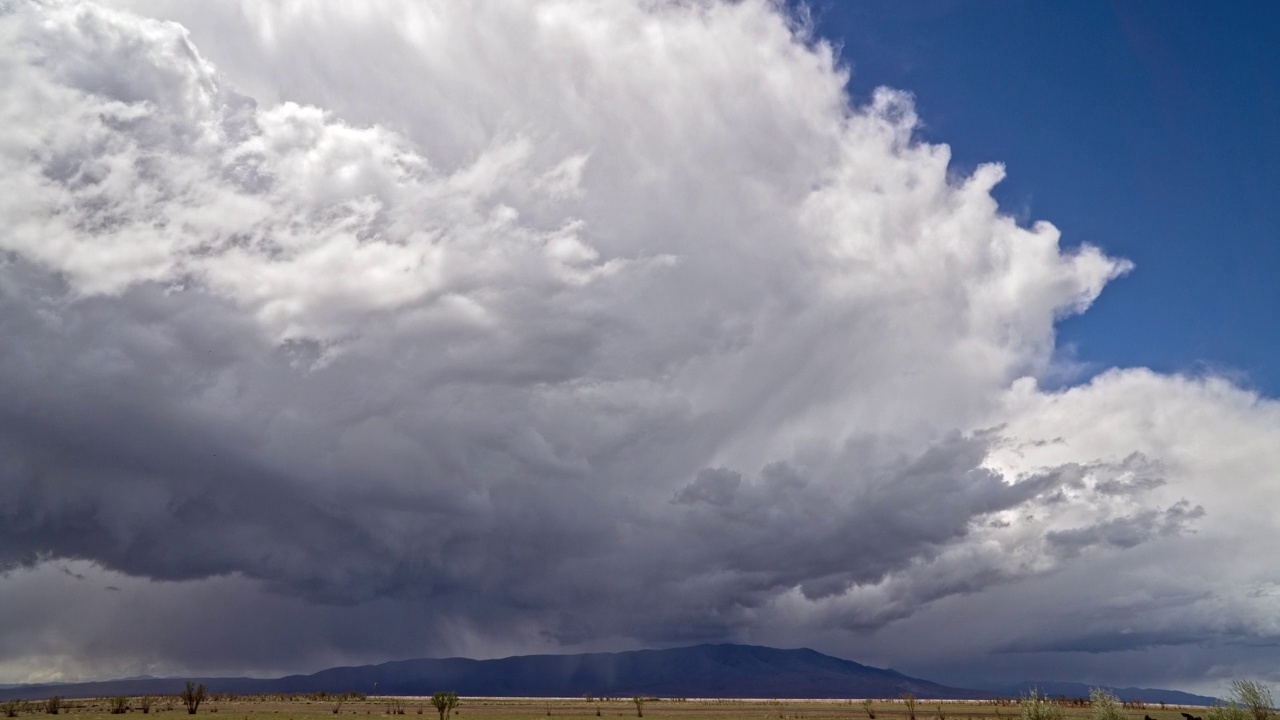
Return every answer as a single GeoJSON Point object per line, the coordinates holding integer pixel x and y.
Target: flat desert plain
{"type": "Point", "coordinates": [285, 708]}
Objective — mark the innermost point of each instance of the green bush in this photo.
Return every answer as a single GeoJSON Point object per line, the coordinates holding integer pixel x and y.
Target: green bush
{"type": "Point", "coordinates": [444, 703]}
{"type": "Point", "coordinates": [10, 708]}
{"type": "Point", "coordinates": [1106, 706]}
{"type": "Point", "coordinates": [1254, 697]}
{"type": "Point", "coordinates": [1035, 706]}
{"type": "Point", "coordinates": [119, 705]}
{"type": "Point", "coordinates": [1227, 711]}
{"type": "Point", "coordinates": [53, 705]}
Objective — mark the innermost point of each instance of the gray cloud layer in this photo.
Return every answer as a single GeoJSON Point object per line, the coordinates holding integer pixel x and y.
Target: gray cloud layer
{"type": "Point", "coordinates": [559, 324]}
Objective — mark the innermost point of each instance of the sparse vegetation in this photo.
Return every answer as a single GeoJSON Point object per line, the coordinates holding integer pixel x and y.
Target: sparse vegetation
{"type": "Point", "coordinates": [53, 705]}
{"type": "Point", "coordinates": [909, 700]}
{"type": "Point", "coordinates": [1035, 706]}
{"type": "Point", "coordinates": [314, 706]}
{"type": "Point", "coordinates": [1227, 711]}
{"type": "Point", "coordinates": [10, 708]}
{"type": "Point", "coordinates": [445, 702]}
{"type": "Point", "coordinates": [1249, 700]}
{"type": "Point", "coordinates": [119, 705]}
{"type": "Point", "coordinates": [1105, 705]}
{"type": "Point", "coordinates": [193, 695]}
{"type": "Point", "coordinates": [145, 702]}
{"type": "Point", "coordinates": [1254, 697]}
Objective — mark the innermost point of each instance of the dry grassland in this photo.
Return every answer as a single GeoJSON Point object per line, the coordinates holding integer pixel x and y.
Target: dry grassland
{"type": "Point", "coordinates": [419, 708]}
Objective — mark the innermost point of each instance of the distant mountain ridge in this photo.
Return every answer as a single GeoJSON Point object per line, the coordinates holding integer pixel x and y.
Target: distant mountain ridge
{"type": "Point", "coordinates": [742, 671]}
{"type": "Point", "coordinates": [728, 671]}
{"type": "Point", "coordinates": [1054, 688]}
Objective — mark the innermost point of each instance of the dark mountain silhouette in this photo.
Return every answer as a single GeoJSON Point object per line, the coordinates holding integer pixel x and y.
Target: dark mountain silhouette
{"type": "Point", "coordinates": [739, 671]}
{"type": "Point", "coordinates": [1074, 690]}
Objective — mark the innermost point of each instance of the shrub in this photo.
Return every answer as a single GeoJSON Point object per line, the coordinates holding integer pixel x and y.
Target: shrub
{"type": "Point", "coordinates": [10, 708]}
{"type": "Point", "coordinates": [193, 695]}
{"type": "Point", "coordinates": [444, 703]}
{"type": "Point", "coordinates": [1106, 706]}
{"type": "Point", "coordinates": [145, 702]}
{"type": "Point", "coordinates": [910, 701]}
{"type": "Point", "coordinates": [871, 713]}
{"type": "Point", "coordinates": [119, 705]}
{"type": "Point", "coordinates": [1227, 711]}
{"type": "Point", "coordinates": [53, 705]}
{"type": "Point", "coordinates": [639, 701]}
{"type": "Point", "coordinates": [1035, 706]}
{"type": "Point", "coordinates": [1254, 697]}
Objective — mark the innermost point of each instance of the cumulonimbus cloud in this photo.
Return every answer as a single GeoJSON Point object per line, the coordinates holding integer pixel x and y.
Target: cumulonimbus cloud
{"type": "Point", "coordinates": [598, 322]}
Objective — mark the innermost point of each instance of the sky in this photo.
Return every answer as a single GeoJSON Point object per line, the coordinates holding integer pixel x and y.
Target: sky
{"type": "Point", "coordinates": [932, 336]}
{"type": "Point", "coordinates": [1145, 128]}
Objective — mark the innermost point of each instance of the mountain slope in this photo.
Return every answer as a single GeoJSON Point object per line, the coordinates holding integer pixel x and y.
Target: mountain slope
{"type": "Point", "coordinates": [701, 671]}
{"type": "Point", "coordinates": [1129, 694]}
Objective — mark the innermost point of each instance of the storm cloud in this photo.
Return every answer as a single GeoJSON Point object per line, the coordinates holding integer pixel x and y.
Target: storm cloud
{"type": "Point", "coordinates": [360, 330]}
